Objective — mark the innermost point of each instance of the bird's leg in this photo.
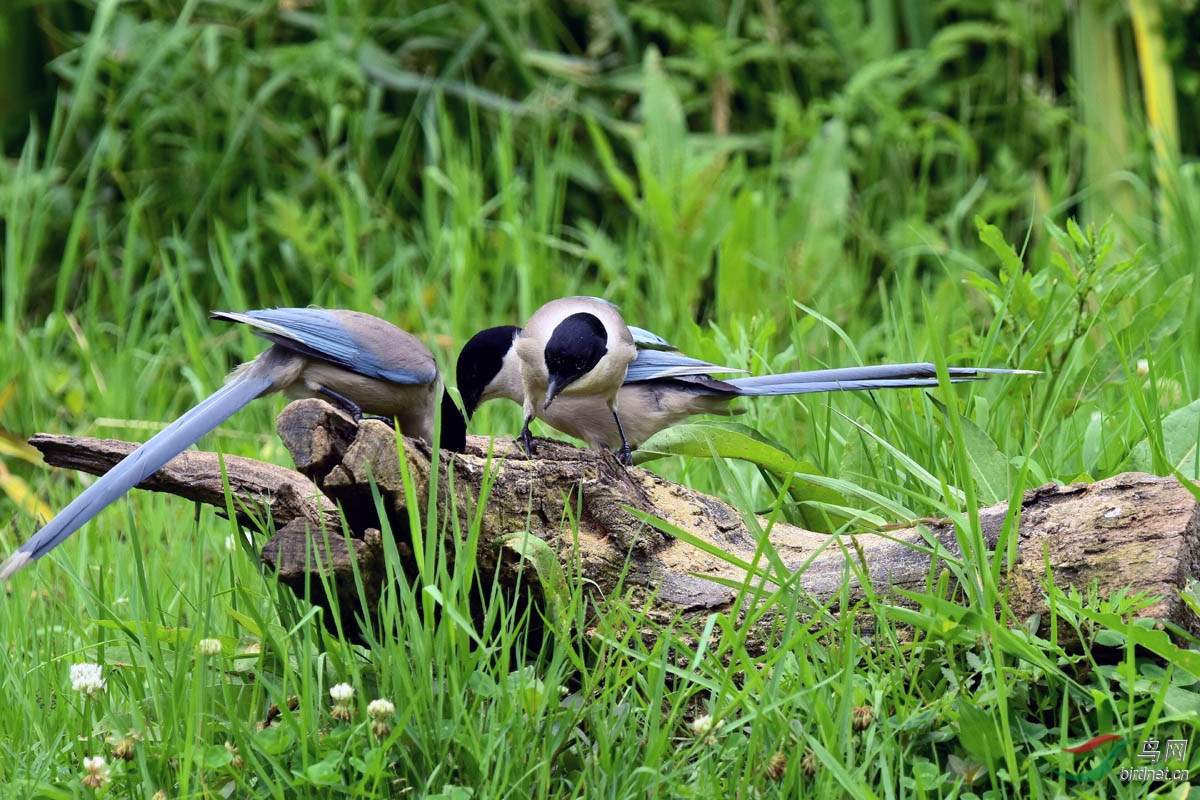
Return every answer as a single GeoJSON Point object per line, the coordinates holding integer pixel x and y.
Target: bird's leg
{"type": "Point", "coordinates": [525, 439]}
{"type": "Point", "coordinates": [625, 454]}
{"type": "Point", "coordinates": [349, 406]}
{"type": "Point", "coordinates": [343, 402]}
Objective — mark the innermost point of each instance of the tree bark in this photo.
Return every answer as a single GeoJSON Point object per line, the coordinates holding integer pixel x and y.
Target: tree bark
{"type": "Point", "coordinates": [1134, 531]}
{"type": "Point", "coordinates": [258, 488]}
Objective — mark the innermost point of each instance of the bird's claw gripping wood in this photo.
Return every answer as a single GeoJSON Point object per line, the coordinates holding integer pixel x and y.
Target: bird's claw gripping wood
{"type": "Point", "coordinates": [525, 441]}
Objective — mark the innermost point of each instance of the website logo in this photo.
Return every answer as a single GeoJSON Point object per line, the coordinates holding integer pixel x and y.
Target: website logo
{"type": "Point", "coordinates": [1174, 750]}
{"type": "Point", "coordinates": [1105, 766]}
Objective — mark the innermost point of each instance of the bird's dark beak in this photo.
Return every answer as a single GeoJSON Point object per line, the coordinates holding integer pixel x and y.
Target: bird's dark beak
{"type": "Point", "coordinates": [552, 392]}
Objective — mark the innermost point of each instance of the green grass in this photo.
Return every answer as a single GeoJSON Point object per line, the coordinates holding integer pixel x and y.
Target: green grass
{"type": "Point", "coordinates": [869, 204]}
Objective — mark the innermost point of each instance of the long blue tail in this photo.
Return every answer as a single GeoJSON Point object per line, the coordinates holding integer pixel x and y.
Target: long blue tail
{"type": "Point", "coordinates": [884, 376]}
{"type": "Point", "coordinates": [142, 463]}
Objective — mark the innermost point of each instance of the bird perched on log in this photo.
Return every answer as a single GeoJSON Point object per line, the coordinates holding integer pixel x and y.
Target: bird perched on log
{"type": "Point", "coordinates": [358, 361]}
{"type": "Point", "coordinates": [577, 347]}
{"type": "Point", "coordinates": [663, 387]}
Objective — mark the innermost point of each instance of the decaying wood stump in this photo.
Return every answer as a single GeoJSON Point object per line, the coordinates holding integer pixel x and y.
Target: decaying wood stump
{"type": "Point", "coordinates": [1133, 531]}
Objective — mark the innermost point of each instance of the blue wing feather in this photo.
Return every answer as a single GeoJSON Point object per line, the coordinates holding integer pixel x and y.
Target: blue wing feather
{"type": "Point", "coordinates": [321, 334]}
{"type": "Point", "coordinates": [655, 364]}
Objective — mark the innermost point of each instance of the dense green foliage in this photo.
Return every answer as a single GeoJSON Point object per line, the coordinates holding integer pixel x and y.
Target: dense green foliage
{"type": "Point", "coordinates": [776, 186]}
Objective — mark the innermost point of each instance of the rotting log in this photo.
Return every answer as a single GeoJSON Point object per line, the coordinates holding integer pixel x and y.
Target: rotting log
{"type": "Point", "coordinates": [1134, 531]}
{"type": "Point", "coordinates": [258, 488]}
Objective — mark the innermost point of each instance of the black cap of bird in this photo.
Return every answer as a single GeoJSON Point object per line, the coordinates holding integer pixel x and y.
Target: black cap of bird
{"type": "Point", "coordinates": [574, 347]}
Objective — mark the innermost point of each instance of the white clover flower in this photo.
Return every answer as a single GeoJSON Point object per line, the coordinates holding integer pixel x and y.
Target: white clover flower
{"type": "Point", "coordinates": [380, 709]}
{"type": "Point", "coordinates": [87, 678]}
{"type": "Point", "coordinates": [342, 694]}
{"type": "Point", "coordinates": [1143, 367]}
{"type": "Point", "coordinates": [95, 773]}
{"type": "Point", "coordinates": [702, 725]}
{"type": "Point", "coordinates": [209, 647]}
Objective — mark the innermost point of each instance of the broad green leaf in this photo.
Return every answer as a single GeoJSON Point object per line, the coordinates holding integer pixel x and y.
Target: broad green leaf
{"type": "Point", "coordinates": [529, 690]}
{"type": "Point", "coordinates": [275, 739]}
{"type": "Point", "coordinates": [215, 756]}
{"type": "Point", "coordinates": [550, 575]}
{"type": "Point", "coordinates": [1012, 270]}
{"type": "Point", "coordinates": [1182, 702]}
{"type": "Point", "coordinates": [1180, 437]}
{"type": "Point", "coordinates": [734, 440]}
{"type": "Point", "coordinates": [993, 237]}
{"type": "Point", "coordinates": [727, 440]}
{"type": "Point", "coordinates": [1156, 641]}
{"type": "Point", "coordinates": [327, 772]}
{"type": "Point", "coordinates": [978, 733]}
{"type": "Point", "coordinates": [989, 467]}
